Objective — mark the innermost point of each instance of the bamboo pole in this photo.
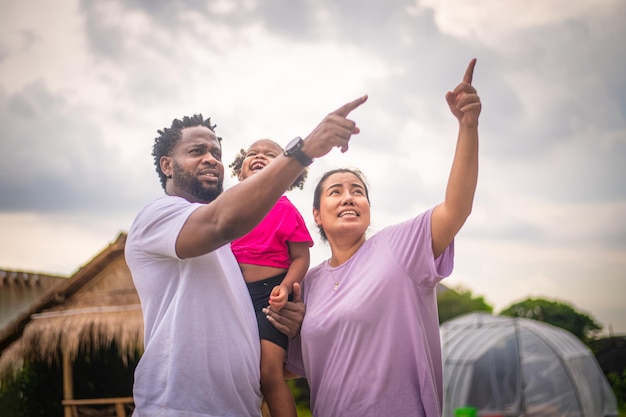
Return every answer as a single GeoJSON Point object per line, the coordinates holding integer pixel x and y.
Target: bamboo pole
{"type": "Point", "coordinates": [68, 385]}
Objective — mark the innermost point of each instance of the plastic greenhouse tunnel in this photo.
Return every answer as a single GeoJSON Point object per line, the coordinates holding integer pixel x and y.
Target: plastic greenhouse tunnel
{"type": "Point", "coordinates": [505, 366]}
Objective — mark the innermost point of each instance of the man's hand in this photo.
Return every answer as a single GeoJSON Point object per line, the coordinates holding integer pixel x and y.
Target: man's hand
{"type": "Point", "coordinates": [289, 319]}
{"type": "Point", "coordinates": [334, 130]}
{"type": "Point", "coordinates": [463, 101]}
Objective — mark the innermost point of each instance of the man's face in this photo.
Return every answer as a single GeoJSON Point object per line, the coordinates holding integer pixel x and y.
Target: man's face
{"type": "Point", "coordinates": [196, 165]}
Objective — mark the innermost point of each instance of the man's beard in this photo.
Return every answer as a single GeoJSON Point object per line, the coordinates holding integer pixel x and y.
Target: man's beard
{"type": "Point", "coordinates": [190, 183]}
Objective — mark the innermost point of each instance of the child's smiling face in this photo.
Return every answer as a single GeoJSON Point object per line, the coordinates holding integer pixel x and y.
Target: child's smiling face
{"type": "Point", "coordinates": [258, 156]}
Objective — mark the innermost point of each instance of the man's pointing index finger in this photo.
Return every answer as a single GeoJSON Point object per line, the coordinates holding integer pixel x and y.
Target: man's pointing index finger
{"type": "Point", "coordinates": [469, 72]}
{"type": "Point", "coordinates": [345, 110]}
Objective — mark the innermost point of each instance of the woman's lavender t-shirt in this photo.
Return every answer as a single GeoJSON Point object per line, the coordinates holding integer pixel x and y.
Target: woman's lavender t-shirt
{"type": "Point", "coordinates": [372, 347]}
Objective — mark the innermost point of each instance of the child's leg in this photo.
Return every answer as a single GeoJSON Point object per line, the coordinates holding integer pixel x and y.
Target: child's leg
{"type": "Point", "coordinates": [273, 385]}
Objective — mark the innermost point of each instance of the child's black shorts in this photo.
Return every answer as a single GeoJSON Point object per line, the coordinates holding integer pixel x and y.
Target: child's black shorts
{"type": "Point", "coordinates": [260, 293]}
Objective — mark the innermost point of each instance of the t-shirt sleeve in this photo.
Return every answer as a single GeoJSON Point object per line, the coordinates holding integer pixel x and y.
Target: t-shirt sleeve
{"type": "Point", "coordinates": [294, 361]}
{"type": "Point", "coordinates": [300, 233]}
{"type": "Point", "coordinates": [157, 227]}
{"type": "Point", "coordinates": [411, 243]}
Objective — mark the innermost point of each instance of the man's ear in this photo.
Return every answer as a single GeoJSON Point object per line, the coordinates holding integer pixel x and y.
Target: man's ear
{"type": "Point", "coordinates": [166, 166]}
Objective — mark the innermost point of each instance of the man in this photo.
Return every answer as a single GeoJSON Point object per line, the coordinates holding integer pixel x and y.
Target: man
{"type": "Point", "coordinates": [202, 348]}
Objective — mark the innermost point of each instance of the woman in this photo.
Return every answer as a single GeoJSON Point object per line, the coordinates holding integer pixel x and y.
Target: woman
{"type": "Point", "coordinates": [369, 343]}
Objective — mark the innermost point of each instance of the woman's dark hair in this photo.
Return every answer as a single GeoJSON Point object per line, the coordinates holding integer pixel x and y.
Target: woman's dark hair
{"type": "Point", "coordinates": [238, 163]}
{"type": "Point", "coordinates": [317, 194]}
{"type": "Point", "coordinates": [169, 137]}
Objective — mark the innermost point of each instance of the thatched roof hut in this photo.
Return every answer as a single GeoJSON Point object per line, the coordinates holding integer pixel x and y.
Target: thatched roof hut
{"type": "Point", "coordinates": [19, 289]}
{"type": "Point", "coordinates": [95, 308]}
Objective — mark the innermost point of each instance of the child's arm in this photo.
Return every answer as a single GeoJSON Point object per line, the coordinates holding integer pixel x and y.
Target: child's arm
{"type": "Point", "coordinates": [300, 259]}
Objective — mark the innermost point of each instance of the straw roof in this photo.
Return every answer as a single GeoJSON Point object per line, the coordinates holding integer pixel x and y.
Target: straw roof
{"type": "Point", "coordinates": [96, 307]}
{"type": "Point", "coordinates": [19, 289]}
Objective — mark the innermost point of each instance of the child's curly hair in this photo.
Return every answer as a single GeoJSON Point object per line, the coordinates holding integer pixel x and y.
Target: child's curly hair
{"type": "Point", "coordinates": [238, 162]}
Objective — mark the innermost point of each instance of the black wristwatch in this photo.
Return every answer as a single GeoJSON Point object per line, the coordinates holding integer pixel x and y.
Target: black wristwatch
{"type": "Point", "coordinates": [294, 149]}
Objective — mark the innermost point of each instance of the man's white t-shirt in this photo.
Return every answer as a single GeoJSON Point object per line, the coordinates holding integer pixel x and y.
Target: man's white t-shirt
{"type": "Point", "coordinates": [202, 349]}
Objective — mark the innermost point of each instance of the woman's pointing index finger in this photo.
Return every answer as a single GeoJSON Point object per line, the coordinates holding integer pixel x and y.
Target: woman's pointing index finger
{"type": "Point", "coordinates": [469, 72]}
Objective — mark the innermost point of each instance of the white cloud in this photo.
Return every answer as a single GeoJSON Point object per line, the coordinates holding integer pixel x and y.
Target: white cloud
{"type": "Point", "coordinates": [40, 43]}
{"type": "Point", "coordinates": [91, 84]}
{"type": "Point", "coordinates": [54, 244]}
{"type": "Point", "coordinates": [492, 21]}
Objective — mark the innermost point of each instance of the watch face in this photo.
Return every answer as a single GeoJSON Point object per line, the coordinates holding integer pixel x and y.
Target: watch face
{"type": "Point", "coordinates": [294, 149]}
{"type": "Point", "coordinates": [294, 144]}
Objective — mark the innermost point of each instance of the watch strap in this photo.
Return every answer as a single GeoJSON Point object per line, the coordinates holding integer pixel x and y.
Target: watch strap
{"type": "Point", "coordinates": [294, 149]}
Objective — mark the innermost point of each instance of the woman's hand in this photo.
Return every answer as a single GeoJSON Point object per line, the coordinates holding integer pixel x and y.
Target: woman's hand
{"type": "Point", "coordinates": [463, 100]}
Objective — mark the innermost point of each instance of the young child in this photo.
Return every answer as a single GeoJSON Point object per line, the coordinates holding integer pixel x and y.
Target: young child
{"type": "Point", "coordinates": [272, 257]}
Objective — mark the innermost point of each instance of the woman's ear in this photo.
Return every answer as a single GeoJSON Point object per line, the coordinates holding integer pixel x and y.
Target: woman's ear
{"type": "Point", "coordinates": [317, 217]}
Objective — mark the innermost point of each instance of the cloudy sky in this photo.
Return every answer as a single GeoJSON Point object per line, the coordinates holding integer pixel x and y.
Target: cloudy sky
{"type": "Point", "coordinates": [84, 86]}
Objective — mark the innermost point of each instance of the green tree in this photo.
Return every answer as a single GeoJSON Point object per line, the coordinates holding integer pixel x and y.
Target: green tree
{"type": "Point", "coordinates": [618, 383]}
{"type": "Point", "coordinates": [458, 301]}
{"type": "Point", "coordinates": [558, 314]}
{"type": "Point", "coordinates": [36, 391]}
{"type": "Point", "coordinates": [301, 393]}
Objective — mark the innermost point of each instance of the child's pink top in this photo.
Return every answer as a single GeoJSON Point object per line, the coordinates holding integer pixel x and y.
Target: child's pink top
{"type": "Point", "coordinates": [266, 244]}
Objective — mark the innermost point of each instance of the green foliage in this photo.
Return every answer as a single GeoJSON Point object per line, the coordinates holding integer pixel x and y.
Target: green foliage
{"type": "Point", "coordinates": [618, 383]}
{"type": "Point", "coordinates": [303, 411]}
{"type": "Point", "coordinates": [35, 391]}
{"type": "Point", "coordinates": [556, 313]}
{"type": "Point", "coordinates": [459, 301]}
{"type": "Point", "coordinates": [300, 390]}
{"type": "Point", "coordinates": [611, 355]}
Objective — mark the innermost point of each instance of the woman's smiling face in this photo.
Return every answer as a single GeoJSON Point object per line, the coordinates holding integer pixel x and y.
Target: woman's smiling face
{"type": "Point", "coordinates": [344, 206]}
